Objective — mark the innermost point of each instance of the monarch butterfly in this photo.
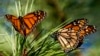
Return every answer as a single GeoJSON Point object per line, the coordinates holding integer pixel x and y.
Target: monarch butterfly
{"type": "Point", "coordinates": [24, 25]}
{"type": "Point", "coordinates": [71, 35]}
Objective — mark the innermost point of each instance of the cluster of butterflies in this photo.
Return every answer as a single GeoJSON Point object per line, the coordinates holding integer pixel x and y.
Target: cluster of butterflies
{"type": "Point", "coordinates": [70, 36]}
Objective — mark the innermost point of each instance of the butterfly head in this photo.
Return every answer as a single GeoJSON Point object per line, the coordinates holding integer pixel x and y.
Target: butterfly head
{"type": "Point", "coordinates": [20, 17]}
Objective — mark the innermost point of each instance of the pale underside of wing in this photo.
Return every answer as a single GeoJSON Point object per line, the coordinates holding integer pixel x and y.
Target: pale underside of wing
{"type": "Point", "coordinates": [68, 39]}
{"type": "Point", "coordinates": [71, 35]}
{"type": "Point", "coordinates": [68, 35]}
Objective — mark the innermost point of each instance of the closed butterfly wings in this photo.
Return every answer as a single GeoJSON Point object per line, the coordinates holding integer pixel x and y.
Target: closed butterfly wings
{"type": "Point", "coordinates": [26, 24]}
{"type": "Point", "coordinates": [71, 36]}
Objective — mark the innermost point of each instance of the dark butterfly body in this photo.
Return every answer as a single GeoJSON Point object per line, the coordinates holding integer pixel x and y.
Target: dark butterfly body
{"type": "Point", "coordinates": [71, 36]}
{"type": "Point", "coordinates": [26, 24]}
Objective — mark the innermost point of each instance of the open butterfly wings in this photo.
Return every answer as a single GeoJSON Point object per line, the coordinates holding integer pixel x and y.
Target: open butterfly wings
{"type": "Point", "coordinates": [26, 24]}
{"type": "Point", "coordinates": [71, 36]}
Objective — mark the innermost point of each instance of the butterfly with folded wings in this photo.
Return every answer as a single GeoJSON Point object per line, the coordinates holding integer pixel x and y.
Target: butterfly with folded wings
{"type": "Point", "coordinates": [71, 36]}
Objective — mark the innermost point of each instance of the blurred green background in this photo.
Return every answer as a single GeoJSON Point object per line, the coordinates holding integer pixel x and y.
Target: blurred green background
{"type": "Point", "coordinates": [57, 12]}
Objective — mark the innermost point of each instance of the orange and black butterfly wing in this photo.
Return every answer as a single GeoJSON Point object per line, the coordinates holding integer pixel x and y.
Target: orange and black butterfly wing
{"type": "Point", "coordinates": [71, 35]}
{"type": "Point", "coordinates": [68, 35]}
{"type": "Point", "coordinates": [32, 19]}
{"type": "Point", "coordinates": [26, 24]}
{"type": "Point", "coordinates": [15, 22]}
{"type": "Point", "coordinates": [86, 31]}
{"type": "Point", "coordinates": [76, 24]}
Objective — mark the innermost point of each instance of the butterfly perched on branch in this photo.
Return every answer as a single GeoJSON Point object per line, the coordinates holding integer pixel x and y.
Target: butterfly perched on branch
{"type": "Point", "coordinates": [71, 36]}
{"type": "Point", "coordinates": [26, 24]}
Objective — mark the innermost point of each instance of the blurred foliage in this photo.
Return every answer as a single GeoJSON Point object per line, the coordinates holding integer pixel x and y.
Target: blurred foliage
{"type": "Point", "coordinates": [57, 12]}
